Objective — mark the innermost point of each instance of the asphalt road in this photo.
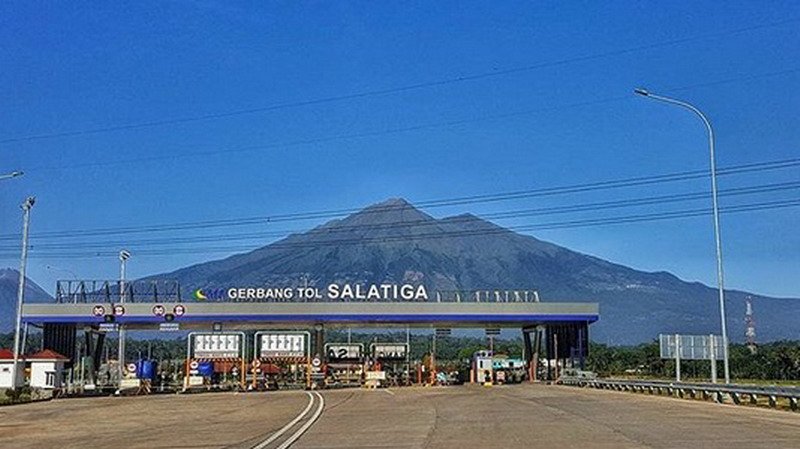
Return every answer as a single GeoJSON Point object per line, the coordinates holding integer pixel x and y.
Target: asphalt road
{"type": "Point", "coordinates": [211, 420]}
{"type": "Point", "coordinates": [456, 417]}
{"type": "Point", "coordinates": [544, 417]}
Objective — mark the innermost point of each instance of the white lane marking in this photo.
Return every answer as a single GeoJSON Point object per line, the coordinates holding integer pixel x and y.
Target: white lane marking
{"type": "Point", "coordinates": [283, 429]}
{"type": "Point", "coordinates": [305, 427]}
{"type": "Point", "coordinates": [389, 391]}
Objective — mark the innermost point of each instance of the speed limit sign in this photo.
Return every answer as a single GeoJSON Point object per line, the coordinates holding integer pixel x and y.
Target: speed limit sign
{"type": "Point", "coordinates": [316, 362]}
{"type": "Point", "coordinates": [193, 364]}
{"type": "Point", "coordinates": [131, 367]}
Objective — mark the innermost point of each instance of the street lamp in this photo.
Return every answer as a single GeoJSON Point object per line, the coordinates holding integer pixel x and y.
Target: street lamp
{"type": "Point", "coordinates": [13, 174]}
{"type": "Point", "coordinates": [715, 206]}
{"type": "Point", "coordinates": [23, 262]}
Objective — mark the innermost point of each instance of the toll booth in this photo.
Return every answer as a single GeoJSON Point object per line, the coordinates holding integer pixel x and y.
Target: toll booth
{"type": "Point", "coordinates": [344, 364]}
{"type": "Point", "coordinates": [508, 370]}
{"type": "Point", "coordinates": [482, 367]}
{"type": "Point", "coordinates": [282, 359]}
{"type": "Point", "coordinates": [215, 359]}
{"type": "Point", "coordinates": [392, 358]}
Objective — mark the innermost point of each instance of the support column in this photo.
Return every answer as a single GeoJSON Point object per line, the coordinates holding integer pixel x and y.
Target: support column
{"type": "Point", "coordinates": [537, 348]}
{"type": "Point", "coordinates": [88, 339]}
{"type": "Point", "coordinates": [527, 349]}
{"type": "Point", "coordinates": [319, 340]}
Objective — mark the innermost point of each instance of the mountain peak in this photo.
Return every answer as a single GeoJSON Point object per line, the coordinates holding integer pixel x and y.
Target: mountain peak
{"type": "Point", "coordinates": [393, 210]}
{"type": "Point", "coordinates": [393, 202]}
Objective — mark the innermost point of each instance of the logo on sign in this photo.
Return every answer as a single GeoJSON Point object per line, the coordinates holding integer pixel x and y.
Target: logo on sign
{"type": "Point", "coordinates": [98, 310]}
{"type": "Point", "coordinates": [205, 294]}
{"type": "Point", "coordinates": [179, 310]}
{"type": "Point", "coordinates": [159, 310]}
{"type": "Point", "coordinates": [119, 310]}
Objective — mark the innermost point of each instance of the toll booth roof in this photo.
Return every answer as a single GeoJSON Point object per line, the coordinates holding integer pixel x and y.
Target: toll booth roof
{"type": "Point", "coordinates": [246, 315]}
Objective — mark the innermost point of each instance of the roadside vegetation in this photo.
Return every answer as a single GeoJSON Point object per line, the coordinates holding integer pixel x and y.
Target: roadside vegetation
{"type": "Point", "coordinates": [777, 361]}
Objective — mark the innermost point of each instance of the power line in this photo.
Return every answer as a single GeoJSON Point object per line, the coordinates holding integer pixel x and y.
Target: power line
{"type": "Point", "coordinates": [512, 214]}
{"type": "Point", "coordinates": [383, 132]}
{"type": "Point", "coordinates": [428, 204]}
{"type": "Point", "coordinates": [439, 235]}
{"type": "Point", "coordinates": [326, 139]}
{"type": "Point", "coordinates": [394, 90]}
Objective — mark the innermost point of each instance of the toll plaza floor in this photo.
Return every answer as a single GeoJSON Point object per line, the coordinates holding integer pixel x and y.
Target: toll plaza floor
{"type": "Point", "coordinates": [447, 417]}
{"type": "Point", "coordinates": [206, 420]}
{"type": "Point", "coordinates": [541, 416]}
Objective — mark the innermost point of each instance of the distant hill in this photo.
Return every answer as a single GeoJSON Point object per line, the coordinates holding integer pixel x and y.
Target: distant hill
{"type": "Point", "coordinates": [9, 282]}
{"type": "Point", "coordinates": [393, 242]}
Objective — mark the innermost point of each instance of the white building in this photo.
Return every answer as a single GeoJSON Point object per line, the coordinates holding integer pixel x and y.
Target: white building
{"type": "Point", "coordinates": [47, 369]}
{"type": "Point", "coordinates": [6, 363]}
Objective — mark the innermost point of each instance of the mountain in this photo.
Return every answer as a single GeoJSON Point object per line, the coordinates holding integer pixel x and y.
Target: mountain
{"type": "Point", "coordinates": [9, 284]}
{"type": "Point", "coordinates": [395, 242]}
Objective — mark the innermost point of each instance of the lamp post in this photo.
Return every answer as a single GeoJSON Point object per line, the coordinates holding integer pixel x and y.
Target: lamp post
{"type": "Point", "coordinates": [718, 239]}
{"type": "Point", "coordinates": [23, 262]}
{"type": "Point", "coordinates": [13, 174]}
{"type": "Point", "coordinates": [124, 255]}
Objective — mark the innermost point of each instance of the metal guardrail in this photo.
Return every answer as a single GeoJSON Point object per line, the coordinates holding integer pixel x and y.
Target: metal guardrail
{"type": "Point", "coordinates": [773, 396]}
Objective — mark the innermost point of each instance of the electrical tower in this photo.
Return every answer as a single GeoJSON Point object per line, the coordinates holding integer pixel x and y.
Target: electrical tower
{"type": "Point", "coordinates": [750, 325]}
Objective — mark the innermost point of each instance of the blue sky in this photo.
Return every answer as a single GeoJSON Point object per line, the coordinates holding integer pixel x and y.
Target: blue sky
{"type": "Point", "coordinates": [71, 67]}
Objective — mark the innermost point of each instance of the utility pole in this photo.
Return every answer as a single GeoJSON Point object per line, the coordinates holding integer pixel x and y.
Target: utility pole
{"type": "Point", "coordinates": [124, 255]}
{"type": "Point", "coordinates": [433, 360]}
{"type": "Point", "coordinates": [23, 262]}
{"type": "Point", "coordinates": [408, 354]}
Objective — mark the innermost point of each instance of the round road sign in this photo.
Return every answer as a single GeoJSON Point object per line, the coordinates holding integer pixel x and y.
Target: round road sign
{"type": "Point", "coordinates": [316, 361]}
{"type": "Point", "coordinates": [179, 310]}
{"type": "Point", "coordinates": [119, 310]}
{"type": "Point", "coordinates": [193, 364]}
{"type": "Point", "coordinates": [131, 367]}
{"type": "Point", "coordinates": [159, 310]}
{"type": "Point", "coordinates": [98, 310]}
{"type": "Point", "coordinates": [256, 363]}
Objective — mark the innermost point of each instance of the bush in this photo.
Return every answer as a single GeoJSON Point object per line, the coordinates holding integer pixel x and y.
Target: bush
{"type": "Point", "coordinates": [22, 394]}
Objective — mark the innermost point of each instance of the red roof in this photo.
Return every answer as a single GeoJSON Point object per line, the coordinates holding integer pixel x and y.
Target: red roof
{"type": "Point", "coordinates": [47, 354]}
{"type": "Point", "coordinates": [6, 354]}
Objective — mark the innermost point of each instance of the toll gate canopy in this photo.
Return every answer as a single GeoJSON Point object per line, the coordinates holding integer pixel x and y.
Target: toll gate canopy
{"type": "Point", "coordinates": [147, 304]}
